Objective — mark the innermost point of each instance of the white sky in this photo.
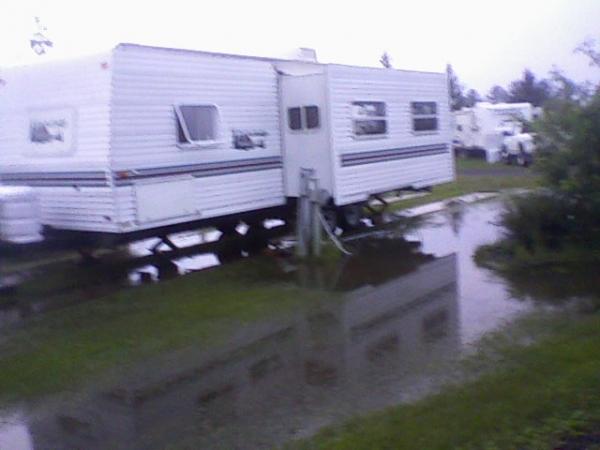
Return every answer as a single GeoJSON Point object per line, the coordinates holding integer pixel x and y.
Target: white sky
{"type": "Point", "coordinates": [487, 41]}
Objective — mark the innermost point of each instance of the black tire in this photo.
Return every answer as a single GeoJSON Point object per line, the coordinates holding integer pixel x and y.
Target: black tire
{"type": "Point", "coordinates": [230, 251]}
{"type": "Point", "coordinates": [226, 257]}
{"type": "Point", "coordinates": [167, 270]}
{"type": "Point", "coordinates": [331, 218]}
{"type": "Point", "coordinates": [350, 217]}
{"type": "Point", "coordinates": [254, 240]}
{"type": "Point", "coordinates": [522, 157]}
{"type": "Point", "coordinates": [228, 229]}
{"type": "Point", "coordinates": [505, 155]}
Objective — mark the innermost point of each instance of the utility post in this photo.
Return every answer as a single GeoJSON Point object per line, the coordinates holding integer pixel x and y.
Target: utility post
{"type": "Point", "coordinates": [308, 224]}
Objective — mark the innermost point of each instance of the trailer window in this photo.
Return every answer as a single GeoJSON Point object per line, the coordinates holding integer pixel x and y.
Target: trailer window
{"type": "Point", "coordinates": [197, 124]}
{"type": "Point", "coordinates": [311, 113]}
{"type": "Point", "coordinates": [369, 118]}
{"type": "Point", "coordinates": [424, 116]}
{"type": "Point", "coordinates": [295, 118]}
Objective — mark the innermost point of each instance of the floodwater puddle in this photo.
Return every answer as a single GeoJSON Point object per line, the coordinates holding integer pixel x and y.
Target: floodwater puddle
{"type": "Point", "coordinates": [60, 284]}
{"type": "Point", "coordinates": [405, 309]}
{"type": "Point", "coordinates": [66, 283]}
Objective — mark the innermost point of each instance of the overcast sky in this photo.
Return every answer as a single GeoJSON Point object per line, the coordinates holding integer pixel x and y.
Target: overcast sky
{"type": "Point", "coordinates": [487, 42]}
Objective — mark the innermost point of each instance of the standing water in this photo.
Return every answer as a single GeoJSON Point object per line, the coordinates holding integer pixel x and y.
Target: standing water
{"type": "Point", "coordinates": [391, 319]}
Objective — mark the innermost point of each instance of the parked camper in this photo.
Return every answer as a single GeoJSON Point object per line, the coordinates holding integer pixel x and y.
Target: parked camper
{"type": "Point", "coordinates": [143, 141]}
{"type": "Point", "coordinates": [496, 130]}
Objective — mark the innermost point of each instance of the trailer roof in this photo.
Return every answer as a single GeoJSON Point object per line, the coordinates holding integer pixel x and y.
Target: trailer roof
{"type": "Point", "coordinates": [208, 53]}
{"type": "Point", "coordinates": [261, 58]}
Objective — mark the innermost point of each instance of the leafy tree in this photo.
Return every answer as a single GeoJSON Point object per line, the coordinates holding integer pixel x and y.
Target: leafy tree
{"type": "Point", "coordinates": [385, 60]}
{"type": "Point", "coordinates": [588, 48]}
{"type": "Point", "coordinates": [565, 215]}
{"type": "Point", "coordinates": [39, 42]}
{"type": "Point", "coordinates": [457, 98]}
{"type": "Point", "coordinates": [570, 150]}
{"type": "Point", "coordinates": [472, 98]}
{"type": "Point", "coordinates": [569, 157]}
{"type": "Point", "coordinates": [530, 90]}
{"type": "Point", "coordinates": [498, 94]}
{"type": "Point", "coordinates": [565, 89]}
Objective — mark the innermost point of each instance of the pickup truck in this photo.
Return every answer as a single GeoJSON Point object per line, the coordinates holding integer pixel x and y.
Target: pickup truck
{"type": "Point", "coordinates": [517, 147]}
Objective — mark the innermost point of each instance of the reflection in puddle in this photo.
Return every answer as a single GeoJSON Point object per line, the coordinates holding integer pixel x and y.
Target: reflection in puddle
{"type": "Point", "coordinates": [66, 283]}
{"type": "Point", "coordinates": [278, 380]}
{"type": "Point", "coordinates": [401, 313]}
{"type": "Point", "coordinates": [61, 284]}
{"type": "Point", "coordinates": [177, 266]}
{"type": "Point", "coordinates": [14, 433]}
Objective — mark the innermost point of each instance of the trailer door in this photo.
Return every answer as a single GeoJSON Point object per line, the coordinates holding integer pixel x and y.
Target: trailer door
{"type": "Point", "coordinates": [305, 125]}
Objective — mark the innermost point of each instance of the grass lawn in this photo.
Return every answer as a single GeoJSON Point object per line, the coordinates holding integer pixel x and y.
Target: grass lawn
{"type": "Point", "coordinates": [545, 393]}
{"type": "Point", "coordinates": [476, 175]}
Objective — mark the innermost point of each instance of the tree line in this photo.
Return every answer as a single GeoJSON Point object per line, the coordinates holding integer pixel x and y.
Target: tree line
{"type": "Point", "coordinates": [528, 88]}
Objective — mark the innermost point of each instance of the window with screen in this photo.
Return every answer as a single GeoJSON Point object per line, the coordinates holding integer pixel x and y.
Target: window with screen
{"type": "Point", "coordinates": [197, 124]}
{"type": "Point", "coordinates": [304, 118]}
{"type": "Point", "coordinates": [311, 113]}
{"type": "Point", "coordinates": [369, 119]}
{"type": "Point", "coordinates": [295, 118]}
{"type": "Point", "coordinates": [424, 116]}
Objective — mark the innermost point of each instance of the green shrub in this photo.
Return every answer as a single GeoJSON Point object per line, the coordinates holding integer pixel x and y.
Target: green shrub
{"type": "Point", "coordinates": [536, 220]}
{"type": "Point", "coordinates": [549, 221]}
{"type": "Point", "coordinates": [567, 213]}
{"type": "Point", "coordinates": [569, 160]}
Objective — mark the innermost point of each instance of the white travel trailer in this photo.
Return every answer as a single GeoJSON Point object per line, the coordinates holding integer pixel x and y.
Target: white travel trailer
{"type": "Point", "coordinates": [144, 141]}
{"type": "Point", "coordinates": [485, 126]}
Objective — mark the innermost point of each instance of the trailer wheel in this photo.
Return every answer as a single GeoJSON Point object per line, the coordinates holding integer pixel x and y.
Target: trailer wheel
{"type": "Point", "coordinates": [254, 240]}
{"type": "Point", "coordinates": [505, 155]}
{"type": "Point", "coordinates": [228, 229]}
{"type": "Point", "coordinates": [351, 216]}
{"type": "Point", "coordinates": [522, 157]}
{"type": "Point", "coordinates": [231, 249]}
{"type": "Point", "coordinates": [330, 215]}
{"type": "Point", "coordinates": [226, 257]}
{"type": "Point", "coordinates": [167, 269]}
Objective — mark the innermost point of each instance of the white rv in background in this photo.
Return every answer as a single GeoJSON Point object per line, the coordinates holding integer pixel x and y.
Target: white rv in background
{"type": "Point", "coordinates": [143, 140]}
{"type": "Point", "coordinates": [495, 129]}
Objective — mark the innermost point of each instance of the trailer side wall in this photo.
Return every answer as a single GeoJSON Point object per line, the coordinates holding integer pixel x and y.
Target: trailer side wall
{"type": "Point", "coordinates": [241, 171]}
{"type": "Point", "coordinates": [399, 157]}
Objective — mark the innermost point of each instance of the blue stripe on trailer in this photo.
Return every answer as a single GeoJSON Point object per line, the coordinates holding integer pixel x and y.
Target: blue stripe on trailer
{"type": "Point", "coordinates": [82, 178]}
{"type": "Point", "coordinates": [370, 157]}
{"type": "Point", "coordinates": [128, 176]}
{"type": "Point", "coordinates": [205, 169]}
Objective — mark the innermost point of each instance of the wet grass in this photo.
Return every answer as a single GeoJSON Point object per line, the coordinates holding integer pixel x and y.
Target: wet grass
{"type": "Point", "coordinates": [541, 396]}
{"type": "Point", "coordinates": [488, 178]}
{"type": "Point", "coordinates": [472, 164]}
{"type": "Point", "coordinates": [543, 230]}
{"type": "Point", "coordinates": [26, 258]}
{"type": "Point", "coordinates": [61, 349]}
{"type": "Point", "coordinates": [507, 256]}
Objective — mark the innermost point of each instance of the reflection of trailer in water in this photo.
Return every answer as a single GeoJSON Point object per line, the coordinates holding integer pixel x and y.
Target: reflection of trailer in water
{"type": "Point", "coordinates": [278, 380]}
{"type": "Point", "coordinates": [144, 141]}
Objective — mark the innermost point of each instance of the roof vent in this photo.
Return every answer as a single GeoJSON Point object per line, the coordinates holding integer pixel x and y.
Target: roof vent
{"type": "Point", "coordinates": [302, 54]}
